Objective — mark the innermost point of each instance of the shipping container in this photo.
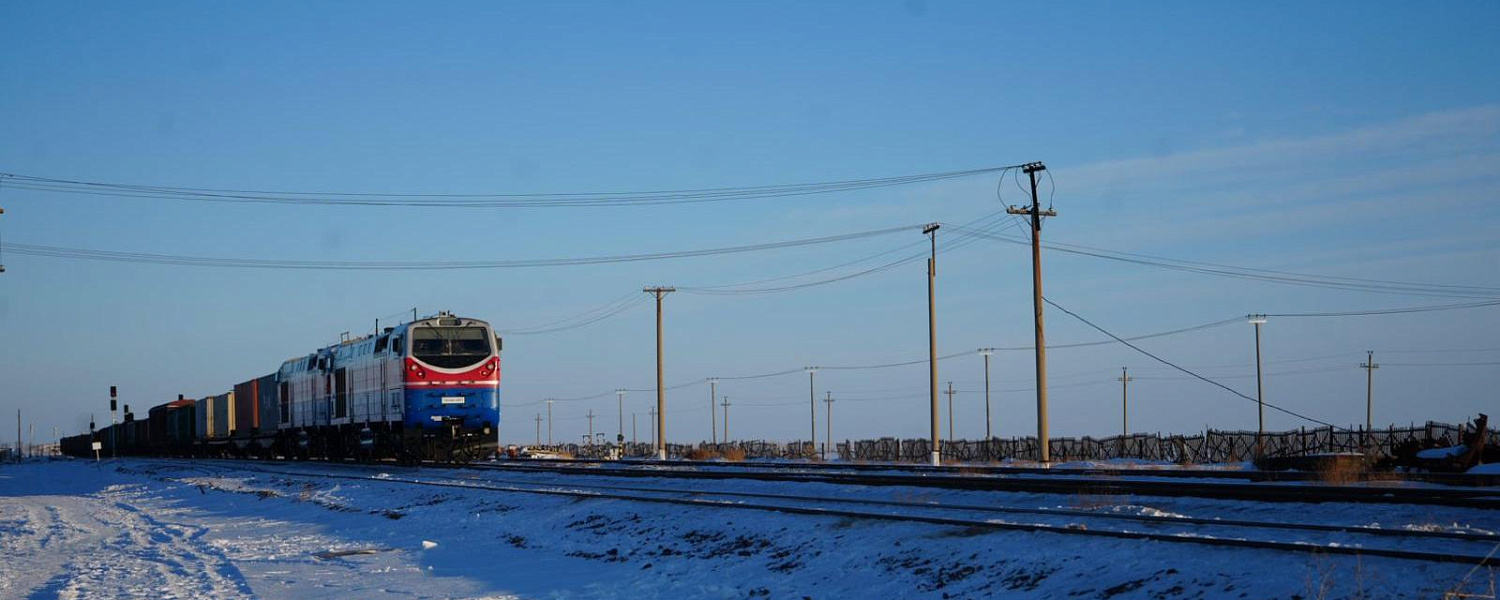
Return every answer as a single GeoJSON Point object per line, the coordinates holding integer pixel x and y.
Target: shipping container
{"type": "Point", "coordinates": [268, 409]}
{"type": "Point", "coordinates": [203, 420]}
{"type": "Point", "coordinates": [221, 415]}
{"type": "Point", "coordinates": [181, 420]}
{"type": "Point", "coordinates": [245, 395]}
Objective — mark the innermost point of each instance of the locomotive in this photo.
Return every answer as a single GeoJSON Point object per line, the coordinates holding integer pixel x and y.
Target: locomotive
{"type": "Point", "coordinates": [424, 390]}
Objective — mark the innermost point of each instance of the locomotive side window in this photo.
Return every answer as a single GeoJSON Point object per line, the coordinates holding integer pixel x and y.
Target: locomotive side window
{"type": "Point", "coordinates": [450, 347]}
{"type": "Point", "coordinates": [380, 344]}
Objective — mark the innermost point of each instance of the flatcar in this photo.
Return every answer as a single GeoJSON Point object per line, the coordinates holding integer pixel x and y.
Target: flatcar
{"type": "Point", "coordinates": [424, 390]}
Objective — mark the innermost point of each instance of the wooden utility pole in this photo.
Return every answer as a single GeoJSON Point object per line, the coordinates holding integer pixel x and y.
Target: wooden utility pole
{"type": "Point", "coordinates": [1369, 366]}
{"type": "Point", "coordinates": [828, 423]}
{"type": "Point", "coordinates": [937, 449]}
{"type": "Point", "coordinates": [1124, 380]}
{"type": "Point", "coordinates": [661, 393]}
{"type": "Point", "coordinates": [1036, 213]}
{"type": "Point", "coordinates": [713, 413]}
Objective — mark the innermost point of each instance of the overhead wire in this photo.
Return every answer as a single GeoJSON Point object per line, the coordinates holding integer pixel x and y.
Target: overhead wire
{"type": "Point", "coordinates": [1184, 370]}
{"type": "Point", "coordinates": [1285, 277]}
{"type": "Point", "coordinates": [479, 200]}
{"type": "Point", "coordinates": [244, 263]}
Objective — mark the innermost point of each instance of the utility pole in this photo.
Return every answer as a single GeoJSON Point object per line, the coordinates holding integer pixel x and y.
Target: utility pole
{"type": "Point", "coordinates": [713, 413]}
{"type": "Point", "coordinates": [828, 423]}
{"type": "Point", "coordinates": [937, 449]}
{"type": "Point", "coordinates": [620, 435]}
{"type": "Point", "coordinates": [633, 440]}
{"type": "Point", "coordinates": [19, 441]}
{"type": "Point", "coordinates": [652, 419]}
{"type": "Point", "coordinates": [549, 421]}
{"type": "Point", "coordinates": [539, 429]}
{"type": "Point", "coordinates": [726, 418]}
{"type": "Point", "coordinates": [661, 398]}
{"type": "Point", "coordinates": [1124, 380]}
{"type": "Point", "coordinates": [2, 264]}
{"type": "Point", "coordinates": [812, 411]}
{"type": "Point", "coordinates": [1044, 445]}
{"type": "Point", "coordinates": [950, 393]}
{"type": "Point", "coordinates": [591, 427]}
{"type": "Point", "coordinates": [1260, 397]}
{"type": "Point", "coordinates": [988, 422]}
{"type": "Point", "coordinates": [1369, 366]}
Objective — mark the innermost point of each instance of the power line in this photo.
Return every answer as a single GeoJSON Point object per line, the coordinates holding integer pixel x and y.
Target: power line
{"type": "Point", "coordinates": [1268, 275]}
{"type": "Point", "coordinates": [1174, 366]}
{"type": "Point", "coordinates": [476, 200]}
{"type": "Point", "coordinates": [583, 319]}
{"type": "Point", "coordinates": [253, 263]}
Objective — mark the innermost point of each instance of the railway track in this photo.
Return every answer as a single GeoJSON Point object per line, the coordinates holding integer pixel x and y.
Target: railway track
{"type": "Point", "coordinates": [974, 517]}
{"type": "Point", "coordinates": [1488, 499]}
{"type": "Point", "coordinates": [1255, 475]}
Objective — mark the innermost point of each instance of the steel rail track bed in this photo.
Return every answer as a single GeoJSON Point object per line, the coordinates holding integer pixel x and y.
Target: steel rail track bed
{"type": "Point", "coordinates": [697, 500]}
{"type": "Point", "coordinates": [1258, 492]}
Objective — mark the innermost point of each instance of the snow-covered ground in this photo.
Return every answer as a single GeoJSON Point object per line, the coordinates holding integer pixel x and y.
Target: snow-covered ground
{"type": "Point", "coordinates": [154, 529]}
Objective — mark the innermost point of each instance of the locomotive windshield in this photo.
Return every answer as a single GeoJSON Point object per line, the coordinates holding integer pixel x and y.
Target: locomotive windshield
{"type": "Point", "coordinates": [450, 347]}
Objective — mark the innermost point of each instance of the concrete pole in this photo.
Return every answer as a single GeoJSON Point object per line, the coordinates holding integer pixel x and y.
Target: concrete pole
{"type": "Point", "coordinates": [812, 410]}
{"type": "Point", "coordinates": [937, 445]}
{"type": "Point", "coordinates": [713, 413]}
{"type": "Point", "coordinates": [828, 423]}
{"type": "Point", "coordinates": [1260, 397]}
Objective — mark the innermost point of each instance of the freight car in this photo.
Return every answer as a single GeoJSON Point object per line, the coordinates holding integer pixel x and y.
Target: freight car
{"type": "Point", "coordinates": [424, 390]}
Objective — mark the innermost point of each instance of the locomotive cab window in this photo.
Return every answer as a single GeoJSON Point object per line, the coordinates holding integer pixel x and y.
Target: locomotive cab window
{"type": "Point", "coordinates": [450, 347]}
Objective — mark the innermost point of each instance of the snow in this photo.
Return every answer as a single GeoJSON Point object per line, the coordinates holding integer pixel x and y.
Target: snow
{"type": "Point", "coordinates": [1437, 453]}
{"type": "Point", "coordinates": [157, 529]}
{"type": "Point", "coordinates": [1489, 469]}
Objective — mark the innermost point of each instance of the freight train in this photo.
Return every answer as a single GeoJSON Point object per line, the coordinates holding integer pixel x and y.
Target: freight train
{"type": "Point", "coordinates": [424, 390]}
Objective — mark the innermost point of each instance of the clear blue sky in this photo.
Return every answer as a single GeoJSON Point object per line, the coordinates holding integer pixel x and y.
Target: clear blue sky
{"type": "Point", "coordinates": [1358, 140]}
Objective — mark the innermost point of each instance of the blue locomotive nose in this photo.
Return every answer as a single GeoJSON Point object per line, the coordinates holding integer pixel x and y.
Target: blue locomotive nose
{"type": "Point", "coordinates": [471, 407]}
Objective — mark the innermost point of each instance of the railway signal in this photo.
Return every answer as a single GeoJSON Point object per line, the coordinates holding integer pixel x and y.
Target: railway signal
{"type": "Point", "coordinates": [113, 402]}
{"type": "Point", "coordinates": [1036, 213]}
{"type": "Point", "coordinates": [620, 435]}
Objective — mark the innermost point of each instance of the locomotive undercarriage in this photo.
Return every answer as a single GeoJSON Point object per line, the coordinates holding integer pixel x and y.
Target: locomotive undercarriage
{"type": "Point", "coordinates": [445, 443]}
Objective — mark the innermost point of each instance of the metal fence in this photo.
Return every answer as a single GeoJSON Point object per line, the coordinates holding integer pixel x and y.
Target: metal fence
{"type": "Point", "coordinates": [1208, 447]}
